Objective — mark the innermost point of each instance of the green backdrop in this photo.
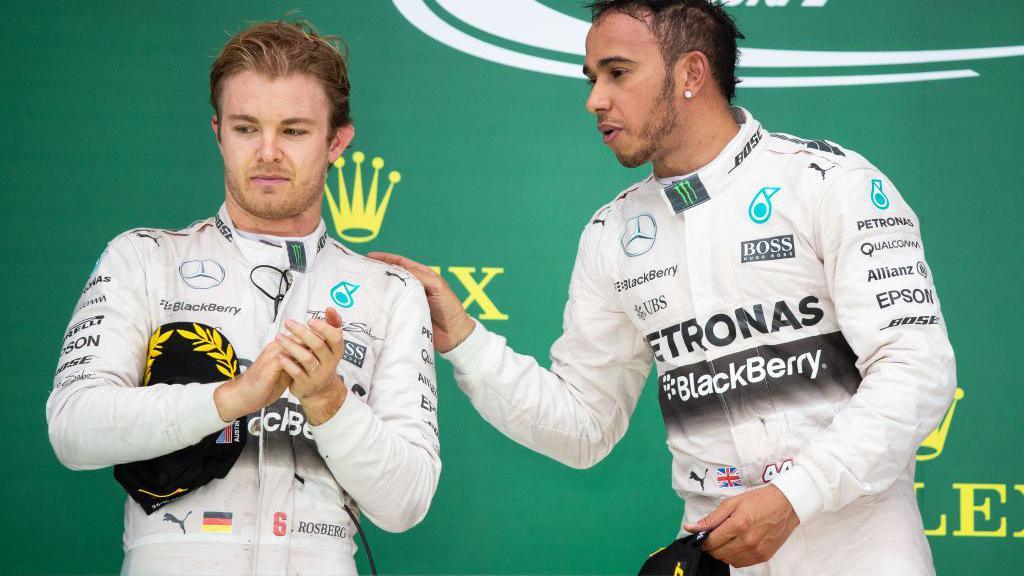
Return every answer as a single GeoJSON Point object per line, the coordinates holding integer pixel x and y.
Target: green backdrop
{"type": "Point", "coordinates": [106, 127]}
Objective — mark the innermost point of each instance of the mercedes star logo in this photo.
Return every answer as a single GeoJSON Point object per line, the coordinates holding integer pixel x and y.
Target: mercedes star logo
{"type": "Point", "coordinates": [201, 274]}
{"type": "Point", "coordinates": [639, 235]}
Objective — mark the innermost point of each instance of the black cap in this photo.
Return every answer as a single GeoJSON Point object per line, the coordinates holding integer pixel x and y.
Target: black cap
{"type": "Point", "coordinates": [684, 557]}
{"type": "Point", "coordinates": [183, 353]}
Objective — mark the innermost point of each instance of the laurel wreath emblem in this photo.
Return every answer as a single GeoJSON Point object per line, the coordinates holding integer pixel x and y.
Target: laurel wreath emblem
{"type": "Point", "coordinates": [212, 343]}
{"type": "Point", "coordinates": [155, 343]}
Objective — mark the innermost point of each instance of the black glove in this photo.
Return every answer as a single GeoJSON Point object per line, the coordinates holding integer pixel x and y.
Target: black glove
{"type": "Point", "coordinates": [185, 353]}
{"type": "Point", "coordinates": [684, 557]}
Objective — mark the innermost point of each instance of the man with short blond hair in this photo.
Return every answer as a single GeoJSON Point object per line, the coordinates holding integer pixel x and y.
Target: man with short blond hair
{"type": "Point", "coordinates": [211, 367]}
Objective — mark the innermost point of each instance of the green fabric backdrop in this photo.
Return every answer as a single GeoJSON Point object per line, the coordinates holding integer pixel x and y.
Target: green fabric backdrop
{"type": "Point", "coordinates": [106, 117]}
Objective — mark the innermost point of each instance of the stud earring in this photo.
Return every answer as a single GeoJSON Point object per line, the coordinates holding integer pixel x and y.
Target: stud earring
{"type": "Point", "coordinates": [688, 94]}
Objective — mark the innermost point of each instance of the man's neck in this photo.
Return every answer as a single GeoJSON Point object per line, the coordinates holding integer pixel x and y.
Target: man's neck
{"type": "Point", "coordinates": [699, 140]}
{"type": "Point", "coordinates": [297, 226]}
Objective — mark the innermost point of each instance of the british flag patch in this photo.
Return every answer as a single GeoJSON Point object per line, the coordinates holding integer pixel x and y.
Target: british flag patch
{"type": "Point", "coordinates": [728, 477]}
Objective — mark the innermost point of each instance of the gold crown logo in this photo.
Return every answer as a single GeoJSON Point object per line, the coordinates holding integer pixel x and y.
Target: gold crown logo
{"type": "Point", "coordinates": [357, 217]}
{"type": "Point", "coordinates": [933, 444]}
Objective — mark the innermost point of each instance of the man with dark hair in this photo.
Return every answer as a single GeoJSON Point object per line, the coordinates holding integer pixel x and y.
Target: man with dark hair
{"type": "Point", "coordinates": [210, 365]}
{"type": "Point", "coordinates": [779, 286]}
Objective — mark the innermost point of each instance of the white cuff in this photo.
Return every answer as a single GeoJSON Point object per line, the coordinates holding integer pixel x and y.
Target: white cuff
{"type": "Point", "coordinates": [344, 432]}
{"type": "Point", "coordinates": [197, 415]}
{"type": "Point", "coordinates": [803, 494]}
{"type": "Point", "coordinates": [468, 356]}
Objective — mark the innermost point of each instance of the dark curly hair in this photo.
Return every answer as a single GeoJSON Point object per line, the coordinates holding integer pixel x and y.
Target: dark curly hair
{"type": "Point", "coordinates": [682, 26]}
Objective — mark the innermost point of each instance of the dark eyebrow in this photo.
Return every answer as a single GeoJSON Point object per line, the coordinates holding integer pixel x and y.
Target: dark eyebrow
{"type": "Point", "coordinates": [286, 121]}
{"type": "Point", "coordinates": [605, 62]}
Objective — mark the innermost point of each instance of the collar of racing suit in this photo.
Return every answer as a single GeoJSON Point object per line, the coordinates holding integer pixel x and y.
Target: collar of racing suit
{"type": "Point", "coordinates": [716, 176]}
{"type": "Point", "coordinates": [298, 254]}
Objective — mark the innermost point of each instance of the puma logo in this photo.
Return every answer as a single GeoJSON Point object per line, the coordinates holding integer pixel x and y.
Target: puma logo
{"type": "Point", "coordinates": [815, 166]}
{"type": "Point", "coordinates": [168, 517]}
{"type": "Point", "coordinates": [700, 479]}
{"type": "Point", "coordinates": [389, 273]}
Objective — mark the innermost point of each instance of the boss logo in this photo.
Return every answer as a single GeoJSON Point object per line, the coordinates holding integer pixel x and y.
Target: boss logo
{"type": "Point", "coordinates": [355, 353]}
{"type": "Point", "coordinates": [774, 248]}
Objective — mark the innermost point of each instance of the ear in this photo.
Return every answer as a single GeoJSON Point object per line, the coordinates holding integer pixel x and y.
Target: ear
{"type": "Point", "coordinates": [692, 72]}
{"type": "Point", "coordinates": [343, 135]}
{"type": "Point", "coordinates": [215, 125]}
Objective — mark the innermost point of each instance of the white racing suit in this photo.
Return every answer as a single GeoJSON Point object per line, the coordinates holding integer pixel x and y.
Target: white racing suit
{"type": "Point", "coordinates": [783, 295]}
{"type": "Point", "coordinates": [280, 508]}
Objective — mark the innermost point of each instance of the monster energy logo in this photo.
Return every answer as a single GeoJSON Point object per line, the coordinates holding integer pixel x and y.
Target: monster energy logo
{"type": "Point", "coordinates": [686, 193]}
{"type": "Point", "coordinates": [685, 190]}
{"type": "Point", "coordinates": [296, 256]}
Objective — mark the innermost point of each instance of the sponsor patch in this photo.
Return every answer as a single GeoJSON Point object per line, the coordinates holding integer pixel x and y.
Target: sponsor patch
{"type": "Point", "coordinates": [686, 194]}
{"type": "Point", "coordinates": [760, 208]}
{"type": "Point", "coordinates": [201, 274]}
{"type": "Point", "coordinates": [343, 294]}
{"type": "Point", "coordinates": [200, 307]}
{"type": "Point", "coordinates": [904, 296]}
{"type": "Point", "coordinates": [774, 248]}
{"type": "Point", "coordinates": [639, 235]}
{"type": "Point", "coordinates": [355, 353]}
{"type": "Point", "coordinates": [83, 325]}
{"type": "Point", "coordinates": [912, 321]}
{"type": "Point", "coordinates": [629, 283]}
{"type": "Point", "coordinates": [773, 470]}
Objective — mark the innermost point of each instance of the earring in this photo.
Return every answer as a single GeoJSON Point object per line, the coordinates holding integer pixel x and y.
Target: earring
{"type": "Point", "coordinates": [688, 94]}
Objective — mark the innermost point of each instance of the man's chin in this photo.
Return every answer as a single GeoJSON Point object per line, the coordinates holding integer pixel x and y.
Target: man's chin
{"type": "Point", "coordinates": [632, 160]}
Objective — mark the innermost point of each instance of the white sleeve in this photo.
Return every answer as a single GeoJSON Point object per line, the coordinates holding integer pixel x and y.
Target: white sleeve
{"type": "Point", "coordinates": [887, 309]}
{"type": "Point", "coordinates": [580, 408]}
{"type": "Point", "coordinates": [385, 452]}
{"type": "Point", "coordinates": [97, 414]}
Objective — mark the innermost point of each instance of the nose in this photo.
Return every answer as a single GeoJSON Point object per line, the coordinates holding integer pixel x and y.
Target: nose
{"type": "Point", "coordinates": [269, 150]}
{"type": "Point", "coordinates": [598, 101]}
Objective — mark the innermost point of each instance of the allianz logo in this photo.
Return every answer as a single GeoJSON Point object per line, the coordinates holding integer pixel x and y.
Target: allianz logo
{"type": "Point", "coordinates": [530, 28]}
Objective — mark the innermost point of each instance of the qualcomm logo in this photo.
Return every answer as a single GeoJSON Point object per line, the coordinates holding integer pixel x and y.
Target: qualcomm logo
{"type": "Point", "coordinates": [535, 26]}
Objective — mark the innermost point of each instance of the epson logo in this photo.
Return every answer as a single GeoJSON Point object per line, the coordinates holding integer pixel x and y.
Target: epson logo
{"type": "Point", "coordinates": [355, 353]}
{"type": "Point", "coordinates": [906, 296]}
{"type": "Point", "coordinates": [723, 329]}
{"type": "Point", "coordinates": [774, 248]}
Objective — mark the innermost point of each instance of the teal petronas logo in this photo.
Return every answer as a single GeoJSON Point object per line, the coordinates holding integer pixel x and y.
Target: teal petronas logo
{"type": "Point", "coordinates": [878, 197]}
{"type": "Point", "coordinates": [343, 294]}
{"type": "Point", "coordinates": [760, 209]}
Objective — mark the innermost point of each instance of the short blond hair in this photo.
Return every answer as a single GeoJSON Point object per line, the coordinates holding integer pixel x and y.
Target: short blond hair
{"type": "Point", "coordinates": [281, 48]}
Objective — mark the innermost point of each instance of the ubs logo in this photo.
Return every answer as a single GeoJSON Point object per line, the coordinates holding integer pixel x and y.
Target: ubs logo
{"type": "Point", "coordinates": [639, 235]}
{"type": "Point", "coordinates": [201, 274]}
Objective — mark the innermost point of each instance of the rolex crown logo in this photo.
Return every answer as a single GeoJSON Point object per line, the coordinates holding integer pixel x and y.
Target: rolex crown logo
{"type": "Point", "coordinates": [358, 215]}
{"type": "Point", "coordinates": [933, 444]}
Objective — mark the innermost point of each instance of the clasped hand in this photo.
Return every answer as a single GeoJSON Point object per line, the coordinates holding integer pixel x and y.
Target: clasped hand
{"type": "Point", "coordinates": [303, 360]}
{"type": "Point", "coordinates": [749, 528]}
